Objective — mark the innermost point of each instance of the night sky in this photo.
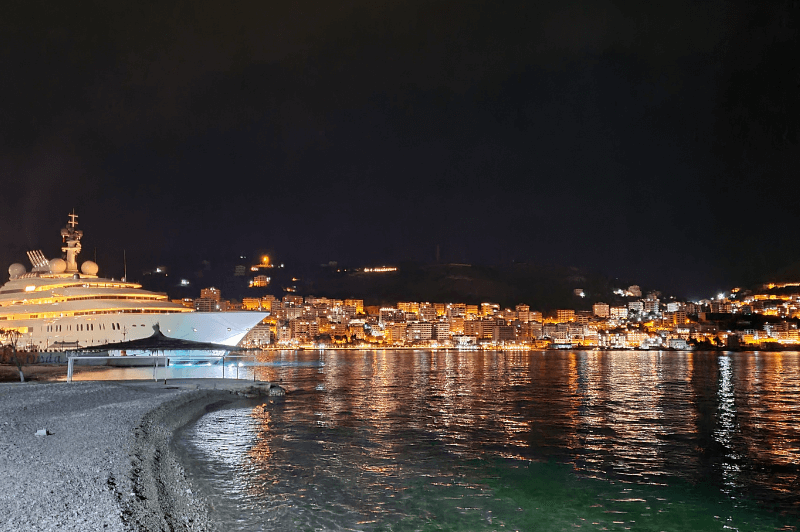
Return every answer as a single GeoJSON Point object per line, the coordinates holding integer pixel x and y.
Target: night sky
{"type": "Point", "coordinates": [656, 142]}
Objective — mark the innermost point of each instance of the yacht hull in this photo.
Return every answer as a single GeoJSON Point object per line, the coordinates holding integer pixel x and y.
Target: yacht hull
{"type": "Point", "coordinates": [75, 332]}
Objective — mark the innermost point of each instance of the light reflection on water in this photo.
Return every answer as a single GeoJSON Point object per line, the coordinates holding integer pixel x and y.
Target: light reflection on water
{"type": "Point", "coordinates": [403, 440]}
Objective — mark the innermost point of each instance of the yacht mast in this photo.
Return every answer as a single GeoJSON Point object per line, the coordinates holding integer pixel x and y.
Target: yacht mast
{"type": "Point", "coordinates": [72, 240]}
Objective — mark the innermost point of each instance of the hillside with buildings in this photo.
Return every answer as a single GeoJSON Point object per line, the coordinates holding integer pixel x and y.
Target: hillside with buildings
{"type": "Point", "coordinates": [460, 305]}
{"type": "Point", "coordinates": [766, 318]}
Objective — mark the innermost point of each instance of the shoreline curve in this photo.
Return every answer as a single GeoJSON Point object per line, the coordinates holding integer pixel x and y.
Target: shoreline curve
{"type": "Point", "coordinates": [106, 461]}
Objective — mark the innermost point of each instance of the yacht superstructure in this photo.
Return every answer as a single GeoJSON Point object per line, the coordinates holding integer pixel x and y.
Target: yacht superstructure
{"type": "Point", "coordinates": [55, 306]}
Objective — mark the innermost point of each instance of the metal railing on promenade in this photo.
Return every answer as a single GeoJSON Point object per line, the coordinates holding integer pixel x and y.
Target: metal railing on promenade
{"type": "Point", "coordinates": [129, 361]}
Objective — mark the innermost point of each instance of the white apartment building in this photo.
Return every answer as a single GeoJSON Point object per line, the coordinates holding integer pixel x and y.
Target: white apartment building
{"type": "Point", "coordinates": [601, 309]}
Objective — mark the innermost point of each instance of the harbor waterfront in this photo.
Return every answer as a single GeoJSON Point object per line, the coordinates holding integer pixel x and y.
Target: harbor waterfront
{"type": "Point", "coordinates": [493, 440]}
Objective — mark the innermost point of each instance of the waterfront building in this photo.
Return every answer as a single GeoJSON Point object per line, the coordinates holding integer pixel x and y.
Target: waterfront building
{"type": "Point", "coordinates": [273, 305]}
{"type": "Point", "coordinates": [357, 303]}
{"type": "Point", "coordinates": [304, 329]}
{"type": "Point", "coordinates": [456, 310]}
{"type": "Point", "coordinates": [677, 343]}
{"type": "Point", "coordinates": [651, 305]}
{"type": "Point", "coordinates": [395, 333]}
{"type": "Point", "coordinates": [503, 333]}
{"type": "Point", "coordinates": [211, 293]}
{"type": "Point", "coordinates": [464, 342]}
{"type": "Point", "coordinates": [565, 315]}
{"type": "Point", "coordinates": [601, 310]}
{"type": "Point", "coordinates": [618, 313]}
{"type": "Point", "coordinates": [408, 306]}
{"type": "Point", "coordinates": [489, 309]}
{"type": "Point", "coordinates": [442, 332]}
{"type": "Point", "coordinates": [261, 334]}
{"type": "Point", "coordinates": [636, 306]}
{"type": "Point", "coordinates": [187, 302]}
{"type": "Point", "coordinates": [456, 325]}
{"type": "Point", "coordinates": [724, 307]}
{"type": "Point", "coordinates": [324, 325]}
{"type": "Point", "coordinates": [635, 338]}
{"type": "Point", "coordinates": [338, 329]}
{"type": "Point", "coordinates": [575, 332]}
{"type": "Point", "coordinates": [289, 313]}
{"type": "Point", "coordinates": [356, 329]}
{"type": "Point", "coordinates": [473, 328]}
{"type": "Point", "coordinates": [427, 312]}
{"type": "Point", "coordinates": [390, 315]}
{"type": "Point", "coordinates": [294, 301]}
{"type": "Point", "coordinates": [206, 304]}
{"type": "Point", "coordinates": [251, 303]}
{"type": "Point", "coordinates": [532, 330]}
{"type": "Point", "coordinates": [410, 316]}
{"type": "Point", "coordinates": [590, 335]}
{"type": "Point", "coordinates": [260, 281]}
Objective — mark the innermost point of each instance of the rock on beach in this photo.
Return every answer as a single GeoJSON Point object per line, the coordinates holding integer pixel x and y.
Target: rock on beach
{"type": "Point", "coordinates": [105, 461]}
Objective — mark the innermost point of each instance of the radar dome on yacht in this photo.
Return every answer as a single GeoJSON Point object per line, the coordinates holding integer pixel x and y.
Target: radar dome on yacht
{"type": "Point", "coordinates": [89, 268]}
{"type": "Point", "coordinates": [58, 265]}
{"type": "Point", "coordinates": [15, 270]}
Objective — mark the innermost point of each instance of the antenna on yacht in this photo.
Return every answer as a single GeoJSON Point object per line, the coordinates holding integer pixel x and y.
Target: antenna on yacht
{"type": "Point", "coordinates": [38, 260]}
{"type": "Point", "coordinates": [124, 267]}
{"type": "Point", "coordinates": [71, 238]}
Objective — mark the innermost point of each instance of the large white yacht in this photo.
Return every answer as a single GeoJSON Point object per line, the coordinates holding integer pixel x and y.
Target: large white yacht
{"type": "Point", "coordinates": [56, 306]}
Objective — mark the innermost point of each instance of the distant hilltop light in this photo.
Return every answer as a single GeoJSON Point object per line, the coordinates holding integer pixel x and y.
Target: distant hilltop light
{"type": "Point", "coordinates": [381, 269]}
{"type": "Point", "coordinates": [263, 264]}
{"type": "Point", "coordinates": [770, 286]}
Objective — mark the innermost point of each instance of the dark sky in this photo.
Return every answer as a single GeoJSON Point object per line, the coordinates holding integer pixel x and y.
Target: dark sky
{"type": "Point", "coordinates": [655, 141]}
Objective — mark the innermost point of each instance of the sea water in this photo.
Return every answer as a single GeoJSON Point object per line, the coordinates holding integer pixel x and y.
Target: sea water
{"type": "Point", "coordinates": [507, 440]}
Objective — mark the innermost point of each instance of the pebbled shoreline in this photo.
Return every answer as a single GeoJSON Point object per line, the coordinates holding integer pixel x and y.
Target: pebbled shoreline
{"type": "Point", "coordinates": [107, 462]}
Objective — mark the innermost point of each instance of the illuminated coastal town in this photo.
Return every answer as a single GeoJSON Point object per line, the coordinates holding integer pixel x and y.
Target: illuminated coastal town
{"type": "Point", "coordinates": [738, 319]}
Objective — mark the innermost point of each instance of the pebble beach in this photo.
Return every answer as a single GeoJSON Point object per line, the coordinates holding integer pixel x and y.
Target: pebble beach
{"type": "Point", "coordinates": [97, 455]}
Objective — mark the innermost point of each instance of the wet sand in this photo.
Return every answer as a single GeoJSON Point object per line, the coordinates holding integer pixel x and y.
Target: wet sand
{"type": "Point", "coordinates": [44, 372]}
{"type": "Point", "coordinates": [107, 461]}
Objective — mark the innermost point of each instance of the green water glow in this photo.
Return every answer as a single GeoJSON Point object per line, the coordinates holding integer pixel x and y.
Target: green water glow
{"type": "Point", "coordinates": [380, 441]}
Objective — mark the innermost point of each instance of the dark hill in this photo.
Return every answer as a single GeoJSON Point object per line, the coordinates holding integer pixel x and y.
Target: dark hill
{"type": "Point", "coordinates": [541, 287]}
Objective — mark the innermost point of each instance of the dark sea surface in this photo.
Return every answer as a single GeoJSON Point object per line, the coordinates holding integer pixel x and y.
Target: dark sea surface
{"type": "Point", "coordinates": [506, 440]}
